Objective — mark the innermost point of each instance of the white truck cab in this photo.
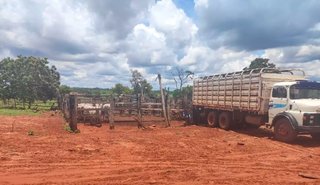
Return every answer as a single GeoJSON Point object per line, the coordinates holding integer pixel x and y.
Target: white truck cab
{"type": "Point", "coordinates": [282, 99]}
{"type": "Point", "coordinates": [294, 108]}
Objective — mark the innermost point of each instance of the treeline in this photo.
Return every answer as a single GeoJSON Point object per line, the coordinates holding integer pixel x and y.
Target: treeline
{"type": "Point", "coordinates": [138, 85]}
{"type": "Point", "coordinates": [86, 91]}
{"type": "Point", "coordinates": [28, 79]}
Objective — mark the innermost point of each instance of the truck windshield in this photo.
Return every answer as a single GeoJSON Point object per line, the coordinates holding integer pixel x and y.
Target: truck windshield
{"type": "Point", "coordinates": [301, 92]}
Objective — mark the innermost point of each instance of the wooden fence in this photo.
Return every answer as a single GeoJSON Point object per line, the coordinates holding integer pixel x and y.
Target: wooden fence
{"type": "Point", "coordinates": [96, 111]}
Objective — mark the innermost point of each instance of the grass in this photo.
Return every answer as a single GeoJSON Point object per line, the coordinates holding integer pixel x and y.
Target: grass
{"type": "Point", "coordinates": [17, 112]}
{"type": "Point", "coordinates": [68, 129]}
{"type": "Point", "coordinates": [38, 104]}
{"type": "Point", "coordinates": [10, 110]}
{"type": "Point", "coordinates": [30, 133]}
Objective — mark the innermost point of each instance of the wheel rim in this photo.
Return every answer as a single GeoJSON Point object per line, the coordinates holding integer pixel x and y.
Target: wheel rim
{"type": "Point", "coordinates": [283, 130]}
{"type": "Point", "coordinates": [223, 122]}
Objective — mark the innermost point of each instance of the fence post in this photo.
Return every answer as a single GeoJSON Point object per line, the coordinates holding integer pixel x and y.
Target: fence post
{"type": "Point", "coordinates": [168, 106]}
{"type": "Point", "coordinates": [59, 101]}
{"type": "Point", "coordinates": [139, 116]}
{"type": "Point", "coordinates": [111, 112]}
{"type": "Point", "coordinates": [73, 112]}
{"type": "Point", "coordinates": [163, 103]}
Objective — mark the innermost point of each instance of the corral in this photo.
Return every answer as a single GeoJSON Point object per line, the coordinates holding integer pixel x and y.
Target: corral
{"type": "Point", "coordinates": [95, 111]}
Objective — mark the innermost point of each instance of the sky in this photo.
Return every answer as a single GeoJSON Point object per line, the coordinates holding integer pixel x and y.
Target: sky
{"type": "Point", "coordinates": [97, 43]}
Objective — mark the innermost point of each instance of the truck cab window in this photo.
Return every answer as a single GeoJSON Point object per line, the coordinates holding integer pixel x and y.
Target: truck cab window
{"type": "Point", "coordinates": [279, 92]}
{"type": "Point", "coordinates": [304, 92]}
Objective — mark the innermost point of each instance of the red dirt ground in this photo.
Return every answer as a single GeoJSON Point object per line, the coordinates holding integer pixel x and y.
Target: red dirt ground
{"type": "Point", "coordinates": [176, 155]}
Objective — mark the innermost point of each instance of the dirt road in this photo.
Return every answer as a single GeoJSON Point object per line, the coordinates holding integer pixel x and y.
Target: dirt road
{"type": "Point", "coordinates": [177, 155]}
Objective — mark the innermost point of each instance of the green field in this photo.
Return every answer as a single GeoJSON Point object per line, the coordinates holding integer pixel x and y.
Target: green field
{"type": "Point", "coordinates": [17, 112]}
{"type": "Point", "coordinates": [36, 108]}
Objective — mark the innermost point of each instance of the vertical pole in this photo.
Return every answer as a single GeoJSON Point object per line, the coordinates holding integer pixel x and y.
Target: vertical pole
{"type": "Point", "coordinates": [139, 97]}
{"type": "Point", "coordinates": [59, 101]}
{"type": "Point", "coordinates": [73, 112]}
{"type": "Point", "coordinates": [111, 112]}
{"type": "Point", "coordinates": [130, 107]}
{"type": "Point", "coordinates": [97, 117]}
{"type": "Point", "coordinates": [168, 106]}
{"type": "Point", "coordinates": [163, 103]}
{"type": "Point", "coordinates": [185, 101]}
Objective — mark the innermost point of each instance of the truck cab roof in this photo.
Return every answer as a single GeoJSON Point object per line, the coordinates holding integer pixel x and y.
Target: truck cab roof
{"type": "Point", "coordinates": [301, 83]}
{"type": "Point", "coordinates": [284, 83]}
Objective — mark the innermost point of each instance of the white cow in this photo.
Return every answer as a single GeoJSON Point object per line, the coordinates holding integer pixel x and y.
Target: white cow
{"type": "Point", "coordinates": [92, 106]}
{"type": "Point", "coordinates": [92, 114]}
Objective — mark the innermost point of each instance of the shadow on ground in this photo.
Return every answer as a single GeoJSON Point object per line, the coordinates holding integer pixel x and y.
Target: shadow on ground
{"type": "Point", "coordinates": [302, 140]}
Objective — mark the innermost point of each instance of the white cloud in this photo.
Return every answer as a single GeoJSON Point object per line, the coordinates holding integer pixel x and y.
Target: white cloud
{"type": "Point", "coordinates": [96, 43]}
{"type": "Point", "coordinates": [316, 27]}
{"type": "Point", "coordinates": [308, 50]}
{"type": "Point", "coordinates": [206, 61]}
{"type": "Point", "coordinates": [147, 47]}
{"type": "Point", "coordinates": [178, 28]}
{"type": "Point", "coordinates": [4, 53]}
{"type": "Point", "coordinates": [80, 73]}
{"type": "Point", "coordinates": [203, 3]}
{"type": "Point", "coordinates": [275, 55]}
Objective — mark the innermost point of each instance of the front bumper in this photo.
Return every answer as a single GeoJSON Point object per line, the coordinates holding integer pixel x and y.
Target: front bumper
{"type": "Point", "coordinates": [308, 129]}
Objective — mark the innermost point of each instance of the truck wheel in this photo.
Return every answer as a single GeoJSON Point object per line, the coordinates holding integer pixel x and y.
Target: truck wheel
{"type": "Point", "coordinates": [315, 136]}
{"type": "Point", "coordinates": [225, 120]}
{"type": "Point", "coordinates": [196, 116]}
{"type": "Point", "coordinates": [284, 132]}
{"type": "Point", "coordinates": [213, 119]}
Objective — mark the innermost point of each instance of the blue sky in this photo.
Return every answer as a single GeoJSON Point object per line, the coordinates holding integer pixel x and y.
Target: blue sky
{"type": "Point", "coordinates": [97, 43]}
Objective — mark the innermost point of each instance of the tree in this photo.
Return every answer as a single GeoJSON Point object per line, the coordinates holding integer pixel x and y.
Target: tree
{"type": "Point", "coordinates": [138, 83]}
{"type": "Point", "coordinates": [186, 91]}
{"type": "Point", "coordinates": [260, 63]}
{"type": "Point", "coordinates": [176, 93]}
{"type": "Point", "coordinates": [147, 87]}
{"type": "Point", "coordinates": [120, 89]}
{"type": "Point", "coordinates": [64, 89]}
{"type": "Point", "coordinates": [182, 77]}
{"type": "Point", "coordinates": [6, 76]}
{"type": "Point", "coordinates": [29, 79]}
{"type": "Point", "coordinates": [154, 94]}
{"type": "Point", "coordinates": [127, 90]}
{"type": "Point", "coordinates": [96, 92]}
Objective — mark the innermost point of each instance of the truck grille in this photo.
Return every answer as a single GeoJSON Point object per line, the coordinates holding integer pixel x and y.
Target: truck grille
{"type": "Point", "coordinates": [315, 120]}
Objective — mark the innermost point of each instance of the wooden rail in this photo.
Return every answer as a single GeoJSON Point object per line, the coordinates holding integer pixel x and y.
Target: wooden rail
{"type": "Point", "coordinates": [73, 114]}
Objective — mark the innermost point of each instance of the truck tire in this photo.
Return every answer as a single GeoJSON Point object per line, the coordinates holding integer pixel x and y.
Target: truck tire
{"type": "Point", "coordinates": [316, 136]}
{"type": "Point", "coordinates": [213, 119]}
{"type": "Point", "coordinates": [196, 116]}
{"type": "Point", "coordinates": [225, 120]}
{"type": "Point", "coordinates": [284, 132]}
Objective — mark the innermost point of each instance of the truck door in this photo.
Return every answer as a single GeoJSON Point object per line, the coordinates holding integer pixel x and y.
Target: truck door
{"type": "Point", "coordinates": [278, 101]}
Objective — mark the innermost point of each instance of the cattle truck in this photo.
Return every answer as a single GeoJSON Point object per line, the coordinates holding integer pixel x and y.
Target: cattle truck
{"type": "Point", "coordinates": [276, 98]}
